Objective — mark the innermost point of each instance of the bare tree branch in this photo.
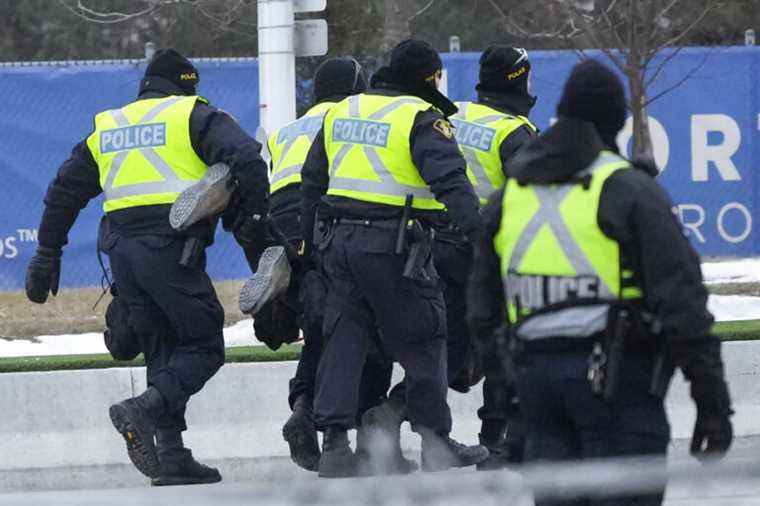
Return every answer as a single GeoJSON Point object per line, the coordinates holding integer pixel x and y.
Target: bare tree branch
{"type": "Point", "coordinates": [606, 15]}
{"type": "Point", "coordinates": [423, 10]}
{"type": "Point", "coordinates": [589, 29]}
{"type": "Point", "coordinates": [564, 30]}
{"type": "Point", "coordinates": [661, 65]}
{"type": "Point", "coordinates": [696, 22]}
{"type": "Point", "coordinates": [685, 78]}
{"type": "Point", "coordinates": [89, 14]}
{"type": "Point", "coordinates": [227, 18]}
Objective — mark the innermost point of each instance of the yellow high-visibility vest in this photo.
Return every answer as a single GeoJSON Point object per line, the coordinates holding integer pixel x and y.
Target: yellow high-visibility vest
{"type": "Point", "coordinates": [369, 153]}
{"type": "Point", "coordinates": [480, 131]}
{"type": "Point", "coordinates": [144, 152]}
{"type": "Point", "coordinates": [290, 145]}
{"type": "Point", "coordinates": [560, 271]}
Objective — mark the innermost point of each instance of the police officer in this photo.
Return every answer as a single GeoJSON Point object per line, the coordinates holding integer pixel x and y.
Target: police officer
{"type": "Point", "coordinates": [141, 156]}
{"type": "Point", "coordinates": [600, 288]}
{"type": "Point", "coordinates": [334, 80]}
{"type": "Point", "coordinates": [490, 131]}
{"type": "Point", "coordinates": [377, 155]}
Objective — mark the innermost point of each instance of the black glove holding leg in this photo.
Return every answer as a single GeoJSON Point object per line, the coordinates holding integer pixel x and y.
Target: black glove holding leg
{"type": "Point", "coordinates": [701, 364]}
{"type": "Point", "coordinates": [43, 274]}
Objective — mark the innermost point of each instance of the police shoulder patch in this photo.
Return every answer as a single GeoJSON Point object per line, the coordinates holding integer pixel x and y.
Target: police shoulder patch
{"type": "Point", "coordinates": [444, 127]}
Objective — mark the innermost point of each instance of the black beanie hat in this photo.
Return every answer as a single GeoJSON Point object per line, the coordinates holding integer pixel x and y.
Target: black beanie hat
{"type": "Point", "coordinates": [415, 61]}
{"type": "Point", "coordinates": [594, 93]}
{"type": "Point", "coordinates": [504, 69]}
{"type": "Point", "coordinates": [338, 76]}
{"type": "Point", "coordinates": [172, 66]}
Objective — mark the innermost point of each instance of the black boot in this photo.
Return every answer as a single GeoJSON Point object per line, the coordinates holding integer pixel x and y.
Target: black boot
{"type": "Point", "coordinates": [378, 441]}
{"type": "Point", "coordinates": [135, 419]}
{"type": "Point", "coordinates": [301, 435]}
{"type": "Point", "coordinates": [337, 461]}
{"type": "Point", "coordinates": [178, 467]}
{"type": "Point", "coordinates": [440, 452]}
{"type": "Point", "coordinates": [492, 436]}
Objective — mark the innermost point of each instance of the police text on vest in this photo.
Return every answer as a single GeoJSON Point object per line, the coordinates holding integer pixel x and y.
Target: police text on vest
{"type": "Point", "coordinates": [133, 137]}
{"type": "Point", "coordinates": [473, 135]}
{"type": "Point", "coordinates": [533, 292]}
{"type": "Point", "coordinates": [359, 131]}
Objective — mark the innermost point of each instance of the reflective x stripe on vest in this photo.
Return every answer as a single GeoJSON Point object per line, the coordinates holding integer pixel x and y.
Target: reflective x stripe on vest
{"type": "Point", "coordinates": [290, 145]}
{"type": "Point", "coordinates": [480, 132]}
{"type": "Point", "coordinates": [367, 145]}
{"type": "Point", "coordinates": [144, 152]}
{"type": "Point", "coordinates": [560, 271]}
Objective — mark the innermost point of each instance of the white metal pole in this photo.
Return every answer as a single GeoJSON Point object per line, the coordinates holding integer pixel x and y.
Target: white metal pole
{"type": "Point", "coordinates": [277, 65]}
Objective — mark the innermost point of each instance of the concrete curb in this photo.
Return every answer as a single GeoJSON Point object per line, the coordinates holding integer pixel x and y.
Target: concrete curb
{"type": "Point", "coordinates": [55, 432]}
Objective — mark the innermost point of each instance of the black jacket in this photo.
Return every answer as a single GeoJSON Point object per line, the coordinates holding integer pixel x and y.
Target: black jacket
{"type": "Point", "coordinates": [633, 210]}
{"type": "Point", "coordinates": [514, 104]}
{"type": "Point", "coordinates": [436, 156]}
{"type": "Point", "coordinates": [215, 136]}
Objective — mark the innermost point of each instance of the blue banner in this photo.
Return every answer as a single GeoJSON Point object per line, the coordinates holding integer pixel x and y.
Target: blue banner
{"type": "Point", "coordinates": [46, 111]}
{"type": "Point", "coordinates": [705, 132]}
{"type": "Point", "coordinates": [704, 128]}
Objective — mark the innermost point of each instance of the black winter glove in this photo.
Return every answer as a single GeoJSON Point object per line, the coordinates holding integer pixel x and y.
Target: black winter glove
{"type": "Point", "coordinates": [713, 432]}
{"type": "Point", "coordinates": [43, 274]}
{"type": "Point", "coordinates": [250, 229]}
{"type": "Point", "coordinates": [700, 361]}
{"type": "Point", "coordinates": [276, 324]}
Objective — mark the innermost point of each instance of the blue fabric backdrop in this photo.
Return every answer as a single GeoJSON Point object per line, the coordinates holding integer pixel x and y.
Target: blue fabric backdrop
{"type": "Point", "coordinates": [706, 137]}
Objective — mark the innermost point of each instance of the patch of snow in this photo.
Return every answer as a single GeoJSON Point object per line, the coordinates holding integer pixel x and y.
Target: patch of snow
{"type": "Point", "coordinates": [746, 270]}
{"type": "Point", "coordinates": [734, 307]}
{"type": "Point", "coordinates": [239, 334]}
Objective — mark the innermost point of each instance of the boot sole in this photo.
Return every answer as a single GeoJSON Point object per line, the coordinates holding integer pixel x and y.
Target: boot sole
{"type": "Point", "coordinates": [303, 443]}
{"type": "Point", "coordinates": [206, 198]}
{"type": "Point", "coordinates": [475, 459]}
{"type": "Point", "coordinates": [271, 278]}
{"type": "Point", "coordinates": [170, 481]}
{"type": "Point", "coordinates": [141, 452]}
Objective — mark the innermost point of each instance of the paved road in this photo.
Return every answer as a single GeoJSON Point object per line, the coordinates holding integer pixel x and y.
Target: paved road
{"type": "Point", "coordinates": [736, 481]}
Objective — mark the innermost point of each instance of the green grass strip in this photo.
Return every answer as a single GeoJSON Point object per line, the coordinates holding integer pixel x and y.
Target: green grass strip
{"type": "Point", "coordinates": [104, 361]}
{"type": "Point", "coordinates": [728, 331]}
{"type": "Point", "coordinates": [742, 330]}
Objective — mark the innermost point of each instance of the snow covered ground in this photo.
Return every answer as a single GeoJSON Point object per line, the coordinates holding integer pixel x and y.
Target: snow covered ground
{"type": "Point", "coordinates": [746, 270]}
{"type": "Point", "coordinates": [724, 307]}
{"type": "Point", "coordinates": [239, 334]}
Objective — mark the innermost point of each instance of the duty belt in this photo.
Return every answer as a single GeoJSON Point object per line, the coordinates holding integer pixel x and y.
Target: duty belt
{"type": "Point", "coordinates": [379, 223]}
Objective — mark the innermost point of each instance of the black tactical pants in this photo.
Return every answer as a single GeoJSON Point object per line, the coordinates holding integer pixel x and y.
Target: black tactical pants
{"type": "Point", "coordinates": [453, 261]}
{"type": "Point", "coordinates": [305, 299]}
{"type": "Point", "coordinates": [175, 313]}
{"type": "Point", "coordinates": [499, 397]}
{"type": "Point", "coordinates": [369, 299]}
{"type": "Point", "coordinates": [566, 421]}
{"type": "Point", "coordinates": [286, 217]}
